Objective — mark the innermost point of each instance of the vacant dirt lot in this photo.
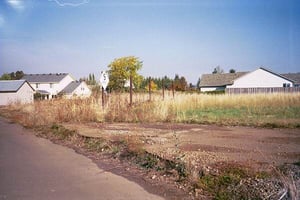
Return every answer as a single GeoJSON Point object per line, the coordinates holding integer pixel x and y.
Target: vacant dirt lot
{"type": "Point", "coordinates": [202, 145]}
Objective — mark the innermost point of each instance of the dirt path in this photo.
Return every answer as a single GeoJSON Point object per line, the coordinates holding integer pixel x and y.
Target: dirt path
{"type": "Point", "coordinates": [206, 144]}
{"type": "Point", "coordinates": [35, 168]}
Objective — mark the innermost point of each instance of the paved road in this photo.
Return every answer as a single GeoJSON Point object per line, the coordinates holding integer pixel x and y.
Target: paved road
{"type": "Point", "coordinates": [34, 168]}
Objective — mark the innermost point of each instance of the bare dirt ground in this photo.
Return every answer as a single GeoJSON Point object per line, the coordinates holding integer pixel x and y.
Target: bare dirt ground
{"type": "Point", "coordinates": [203, 145]}
{"type": "Point", "coordinates": [204, 149]}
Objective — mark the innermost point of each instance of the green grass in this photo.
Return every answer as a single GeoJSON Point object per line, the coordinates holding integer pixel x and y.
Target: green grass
{"type": "Point", "coordinates": [227, 184]}
{"type": "Point", "coordinates": [97, 144]}
{"type": "Point", "coordinates": [263, 116]}
{"type": "Point", "coordinates": [61, 131]}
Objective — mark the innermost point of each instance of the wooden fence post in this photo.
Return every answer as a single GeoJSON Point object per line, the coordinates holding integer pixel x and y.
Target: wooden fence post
{"type": "Point", "coordinates": [163, 89]}
{"type": "Point", "coordinates": [103, 98]}
{"type": "Point", "coordinates": [173, 89]}
{"type": "Point", "coordinates": [149, 87]}
{"type": "Point", "coordinates": [130, 82]}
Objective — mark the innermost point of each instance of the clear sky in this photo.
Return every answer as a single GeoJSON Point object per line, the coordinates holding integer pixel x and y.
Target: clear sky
{"type": "Point", "coordinates": [185, 37]}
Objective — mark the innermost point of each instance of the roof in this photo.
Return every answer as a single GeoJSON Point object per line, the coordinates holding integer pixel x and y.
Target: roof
{"type": "Point", "coordinates": [12, 85]}
{"type": "Point", "coordinates": [280, 75]}
{"type": "Point", "coordinates": [71, 87]}
{"type": "Point", "coordinates": [44, 92]}
{"type": "Point", "coordinates": [44, 78]}
{"type": "Point", "coordinates": [213, 80]}
{"type": "Point", "coordinates": [295, 77]}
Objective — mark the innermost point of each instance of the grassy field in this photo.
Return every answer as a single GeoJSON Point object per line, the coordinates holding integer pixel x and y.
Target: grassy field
{"type": "Point", "coordinates": [260, 110]}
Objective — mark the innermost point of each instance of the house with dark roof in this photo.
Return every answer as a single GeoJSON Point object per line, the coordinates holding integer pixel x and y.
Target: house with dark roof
{"type": "Point", "coordinates": [15, 91]}
{"type": "Point", "coordinates": [49, 85]}
{"type": "Point", "coordinates": [76, 89]}
{"type": "Point", "coordinates": [295, 77]}
{"type": "Point", "coordinates": [259, 78]}
{"type": "Point", "coordinates": [218, 82]}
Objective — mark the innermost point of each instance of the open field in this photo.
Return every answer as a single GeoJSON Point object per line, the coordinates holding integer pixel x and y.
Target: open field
{"type": "Point", "coordinates": [212, 146]}
{"type": "Point", "coordinates": [261, 110]}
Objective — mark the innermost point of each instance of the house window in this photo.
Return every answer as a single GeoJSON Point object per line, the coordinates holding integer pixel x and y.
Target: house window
{"type": "Point", "coordinates": [51, 85]}
{"type": "Point", "coordinates": [286, 85]}
{"type": "Point", "coordinates": [37, 85]}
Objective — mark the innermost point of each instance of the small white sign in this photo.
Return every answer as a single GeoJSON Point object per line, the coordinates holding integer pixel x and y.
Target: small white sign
{"type": "Point", "coordinates": [104, 79]}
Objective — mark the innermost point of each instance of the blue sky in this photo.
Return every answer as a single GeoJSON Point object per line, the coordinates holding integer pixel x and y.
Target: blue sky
{"type": "Point", "coordinates": [185, 37]}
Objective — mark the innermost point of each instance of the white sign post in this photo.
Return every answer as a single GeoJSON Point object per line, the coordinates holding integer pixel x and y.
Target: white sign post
{"type": "Point", "coordinates": [104, 79]}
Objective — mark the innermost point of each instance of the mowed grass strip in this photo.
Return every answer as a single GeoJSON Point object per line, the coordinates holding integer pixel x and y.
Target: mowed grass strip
{"type": "Point", "coordinates": [262, 117]}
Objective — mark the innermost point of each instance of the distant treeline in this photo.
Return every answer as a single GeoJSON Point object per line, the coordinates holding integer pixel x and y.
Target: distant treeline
{"type": "Point", "coordinates": [12, 76]}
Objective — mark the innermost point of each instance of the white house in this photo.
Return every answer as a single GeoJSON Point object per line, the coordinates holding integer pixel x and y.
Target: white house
{"type": "Point", "coordinates": [76, 89]}
{"type": "Point", "coordinates": [48, 85]}
{"type": "Point", "coordinates": [261, 78]}
{"type": "Point", "coordinates": [15, 91]}
{"type": "Point", "coordinates": [218, 82]}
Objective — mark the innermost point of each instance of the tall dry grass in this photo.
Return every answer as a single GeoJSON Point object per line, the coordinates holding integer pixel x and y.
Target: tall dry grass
{"type": "Point", "coordinates": [42, 113]}
{"type": "Point", "coordinates": [258, 110]}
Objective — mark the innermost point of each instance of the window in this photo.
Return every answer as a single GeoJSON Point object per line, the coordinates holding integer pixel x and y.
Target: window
{"type": "Point", "coordinates": [51, 85]}
{"type": "Point", "coordinates": [286, 85]}
{"type": "Point", "coordinates": [37, 85]}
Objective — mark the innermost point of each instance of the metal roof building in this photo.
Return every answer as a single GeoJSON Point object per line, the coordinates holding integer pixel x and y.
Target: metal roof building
{"type": "Point", "coordinates": [44, 78]}
{"type": "Point", "coordinates": [15, 91]}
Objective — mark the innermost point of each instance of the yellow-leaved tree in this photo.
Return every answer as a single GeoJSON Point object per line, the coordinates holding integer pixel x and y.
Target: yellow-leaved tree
{"type": "Point", "coordinates": [153, 86]}
{"type": "Point", "coordinates": [121, 69]}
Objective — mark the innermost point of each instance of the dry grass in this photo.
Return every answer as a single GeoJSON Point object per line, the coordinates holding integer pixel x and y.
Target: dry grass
{"type": "Point", "coordinates": [267, 110]}
{"type": "Point", "coordinates": [43, 113]}
{"type": "Point", "coordinates": [273, 110]}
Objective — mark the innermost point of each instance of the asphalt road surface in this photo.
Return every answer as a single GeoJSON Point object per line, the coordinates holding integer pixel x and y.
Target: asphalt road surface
{"type": "Point", "coordinates": [34, 168]}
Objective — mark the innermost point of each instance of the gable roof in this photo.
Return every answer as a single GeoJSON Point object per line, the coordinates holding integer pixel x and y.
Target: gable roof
{"type": "Point", "coordinates": [295, 77]}
{"type": "Point", "coordinates": [44, 78]}
{"type": "Point", "coordinates": [280, 75]}
{"type": "Point", "coordinates": [213, 80]}
{"type": "Point", "coordinates": [71, 87]}
{"type": "Point", "coordinates": [12, 85]}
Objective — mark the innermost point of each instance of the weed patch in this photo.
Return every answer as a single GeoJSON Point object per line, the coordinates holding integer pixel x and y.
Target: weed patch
{"type": "Point", "coordinates": [61, 131]}
{"type": "Point", "coordinates": [97, 144]}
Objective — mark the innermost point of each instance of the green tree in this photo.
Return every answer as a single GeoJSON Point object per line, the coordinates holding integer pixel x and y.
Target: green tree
{"type": "Point", "coordinates": [12, 76]}
{"type": "Point", "coordinates": [198, 83]}
{"type": "Point", "coordinates": [232, 71]}
{"type": "Point", "coordinates": [218, 70]}
{"type": "Point", "coordinates": [167, 83]}
{"type": "Point", "coordinates": [180, 84]}
{"type": "Point", "coordinates": [5, 76]}
{"type": "Point", "coordinates": [90, 80]}
{"type": "Point", "coordinates": [121, 69]}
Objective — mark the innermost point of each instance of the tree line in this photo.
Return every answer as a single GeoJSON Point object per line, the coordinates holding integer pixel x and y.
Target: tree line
{"type": "Point", "coordinates": [12, 76]}
{"type": "Point", "coordinates": [120, 71]}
